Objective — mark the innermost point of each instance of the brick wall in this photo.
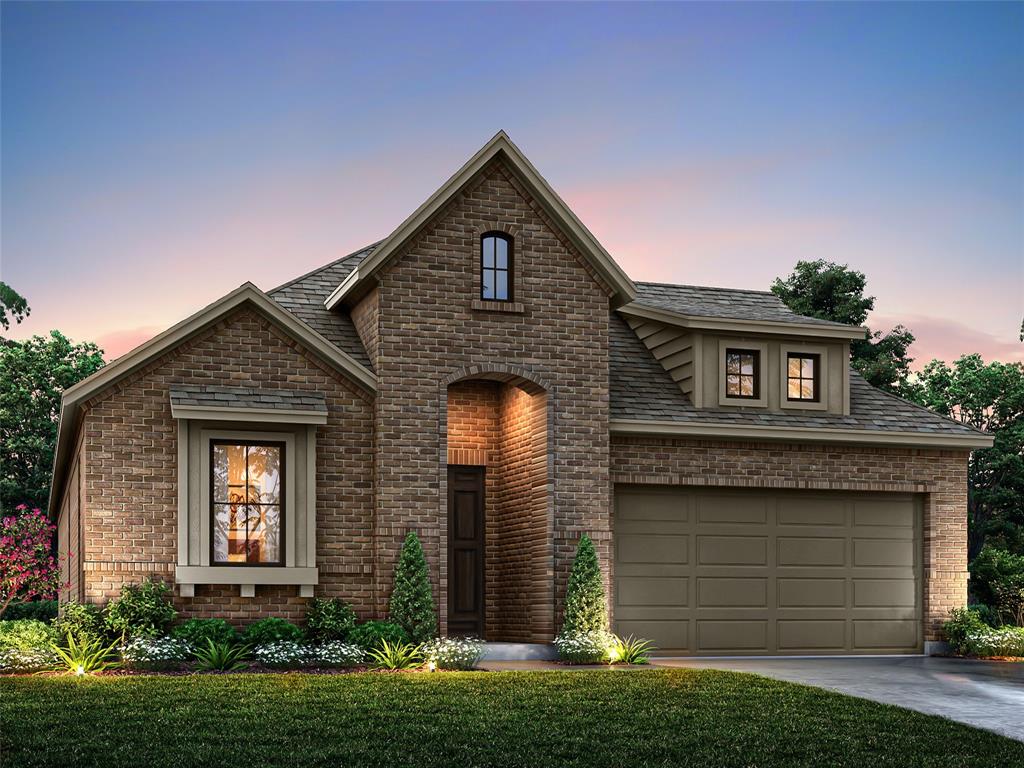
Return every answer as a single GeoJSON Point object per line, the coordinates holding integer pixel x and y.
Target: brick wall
{"type": "Point", "coordinates": [940, 475]}
{"type": "Point", "coordinates": [366, 318]}
{"type": "Point", "coordinates": [130, 478]}
{"type": "Point", "coordinates": [429, 331]}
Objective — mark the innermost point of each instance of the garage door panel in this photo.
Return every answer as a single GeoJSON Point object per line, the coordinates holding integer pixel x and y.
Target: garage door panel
{"type": "Point", "coordinates": [732, 509]}
{"type": "Point", "coordinates": [812, 593]}
{"type": "Point", "coordinates": [794, 551]}
{"type": "Point", "coordinates": [703, 571]}
{"type": "Point", "coordinates": [887, 553]}
{"type": "Point", "coordinates": [882, 634]}
{"type": "Point", "coordinates": [732, 550]}
{"type": "Point", "coordinates": [731, 592]}
{"type": "Point", "coordinates": [738, 635]}
{"type": "Point", "coordinates": [653, 548]}
{"type": "Point", "coordinates": [811, 635]}
{"type": "Point", "coordinates": [884, 593]}
{"type": "Point", "coordinates": [645, 591]}
{"type": "Point", "coordinates": [817, 511]}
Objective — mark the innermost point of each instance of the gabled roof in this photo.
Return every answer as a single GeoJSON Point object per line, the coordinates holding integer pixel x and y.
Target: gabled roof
{"type": "Point", "coordinates": [359, 279]}
{"type": "Point", "coordinates": [646, 401]}
{"type": "Point", "coordinates": [700, 307]}
{"type": "Point", "coordinates": [245, 295]}
{"type": "Point", "coordinates": [304, 297]}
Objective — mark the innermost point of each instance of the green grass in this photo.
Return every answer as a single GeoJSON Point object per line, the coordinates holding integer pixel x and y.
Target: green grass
{"type": "Point", "coordinates": [624, 718]}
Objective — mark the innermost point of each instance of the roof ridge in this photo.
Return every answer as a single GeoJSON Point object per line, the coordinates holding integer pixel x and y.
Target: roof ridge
{"type": "Point", "coordinates": [855, 373]}
{"type": "Point", "coordinates": [312, 272]}
{"type": "Point", "coordinates": [707, 288]}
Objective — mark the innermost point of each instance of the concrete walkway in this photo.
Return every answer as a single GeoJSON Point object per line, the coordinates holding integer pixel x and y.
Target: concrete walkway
{"type": "Point", "coordinates": [985, 694]}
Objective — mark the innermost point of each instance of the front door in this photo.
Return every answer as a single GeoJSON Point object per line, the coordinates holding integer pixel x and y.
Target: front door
{"type": "Point", "coordinates": [466, 551]}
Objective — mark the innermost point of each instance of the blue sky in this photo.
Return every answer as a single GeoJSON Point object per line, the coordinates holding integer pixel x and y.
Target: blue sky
{"type": "Point", "coordinates": [155, 156]}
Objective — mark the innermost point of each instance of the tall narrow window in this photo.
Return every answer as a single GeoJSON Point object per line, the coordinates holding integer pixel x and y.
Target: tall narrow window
{"type": "Point", "coordinates": [802, 376]}
{"type": "Point", "coordinates": [247, 502]}
{"type": "Point", "coordinates": [496, 267]}
{"type": "Point", "coordinates": [743, 373]}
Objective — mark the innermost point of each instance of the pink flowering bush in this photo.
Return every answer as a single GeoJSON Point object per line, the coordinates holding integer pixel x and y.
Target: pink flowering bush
{"type": "Point", "coordinates": [28, 568]}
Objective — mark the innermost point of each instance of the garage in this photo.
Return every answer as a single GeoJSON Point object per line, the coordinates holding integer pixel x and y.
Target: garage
{"type": "Point", "coordinates": [702, 571]}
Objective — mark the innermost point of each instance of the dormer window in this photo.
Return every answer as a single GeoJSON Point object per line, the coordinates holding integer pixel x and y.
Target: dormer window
{"type": "Point", "coordinates": [743, 374]}
{"type": "Point", "coordinates": [496, 267]}
{"type": "Point", "coordinates": [803, 372]}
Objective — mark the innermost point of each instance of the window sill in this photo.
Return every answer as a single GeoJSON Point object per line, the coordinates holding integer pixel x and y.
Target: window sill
{"type": "Point", "coordinates": [247, 577]}
{"type": "Point", "coordinates": [508, 307]}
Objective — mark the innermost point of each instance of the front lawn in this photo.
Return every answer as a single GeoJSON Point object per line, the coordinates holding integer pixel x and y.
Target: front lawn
{"type": "Point", "coordinates": [600, 718]}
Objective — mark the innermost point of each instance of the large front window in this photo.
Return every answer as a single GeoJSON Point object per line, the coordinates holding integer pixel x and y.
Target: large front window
{"type": "Point", "coordinates": [247, 500]}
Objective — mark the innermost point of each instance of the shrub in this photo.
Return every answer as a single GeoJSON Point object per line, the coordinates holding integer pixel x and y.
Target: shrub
{"type": "Point", "coordinates": [197, 632]}
{"type": "Point", "coordinates": [221, 656]}
{"type": "Point", "coordinates": [454, 652]}
{"type": "Point", "coordinates": [335, 653]}
{"type": "Point", "coordinates": [142, 609]}
{"type": "Point", "coordinates": [26, 645]}
{"type": "Point", "coordinates": [586, 609]}
{"type": "Point", "coordinates": [370, 635]}
{"type": "Point", "coordinates": [987, 614]}
{"type": "Point", "coordinates": [585, 647]}
{"type": "Point", "coordinates": [1004, 641]}
{"type": "Point", "coordinates": [85, 658]}
{"type": "Point", "coordinates": [630, 650]}
{"type": "Point", "coordinates": [412, 600]}
{"type": "Point", "coordinates": [962, 623]}
{"type": "Point", "coordinates": [83, 621]}
{"type": "Point", "coordinates": [997, 579]}
{"type": "Point", "coordinates": [396, 656]}
{"type": "Point", "coordinates": [329, 619]}
{"type": "Point", "coordinates": [144, 652]}
{"type": "Point", "coordinates": [40, 610]}
{"type": "Point", "coordinates": [28, 568]}
{"type": "Point", "coordinates": [272, 630]}
{"type": "Point", "coordinates": [282, 654]}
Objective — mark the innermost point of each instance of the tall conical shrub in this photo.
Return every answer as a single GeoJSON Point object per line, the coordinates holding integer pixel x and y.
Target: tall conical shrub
{"type": "Point", "coordinates": [412, 601]}
{"type": "Point", "coordinates": [586, 609]}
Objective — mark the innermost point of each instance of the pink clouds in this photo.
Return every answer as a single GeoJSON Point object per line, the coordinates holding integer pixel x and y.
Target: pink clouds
{"type": "Point", "coordinates": [116, 343]}
{"type": "Point", "coordinates": [947, 340]}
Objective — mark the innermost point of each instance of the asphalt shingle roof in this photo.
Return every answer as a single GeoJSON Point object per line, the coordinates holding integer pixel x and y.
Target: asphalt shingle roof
{"type": "Point", "coordinates": [641, 389]}
{"type": "Point", "coordinates": [731, 303]}
{"type": "Point", "coordinates": [304, 297]}
{"type": "Point", "coordinates": [245, 397]}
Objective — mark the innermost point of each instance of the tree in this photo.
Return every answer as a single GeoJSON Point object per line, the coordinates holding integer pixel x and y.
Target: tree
{"type": "Point", "coordinates": [33, 374]}
{"type": "Point", "coordinates": [412, 599]}
{"type": "Point", "coordinates": [834, 292]}
{"type": "Point", "coordinates": [989, 397]}
{"type": "Point", "coordinates": [586, 609]}
{"type": "Point", "coordinates": [12, 305]}
{"type": "Point", "coordinates": [28, 569]}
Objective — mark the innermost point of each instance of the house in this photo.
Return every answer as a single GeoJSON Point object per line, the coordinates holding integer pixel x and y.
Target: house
{"type": "Point", "coordinates": [489, 377]}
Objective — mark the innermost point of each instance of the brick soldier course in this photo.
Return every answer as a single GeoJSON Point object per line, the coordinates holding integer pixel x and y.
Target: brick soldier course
{"type": "Point", "coordinates": [551, 392]}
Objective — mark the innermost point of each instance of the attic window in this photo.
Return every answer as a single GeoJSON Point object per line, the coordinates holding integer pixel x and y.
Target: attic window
{"type": "Point", "coordinates": [802, 376]}
{"type": "Point", "coordinates": [743, 374]}
{"type": "Point", "coordinates": [496, 267]}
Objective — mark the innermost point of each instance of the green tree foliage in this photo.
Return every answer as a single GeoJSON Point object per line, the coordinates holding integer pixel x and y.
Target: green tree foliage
{"type": "Point", "coordinates": [412, 600]}
{"type": "Point", "coordinates": [33, 374]}
{"type": "Point", "coordinates": [835, 292]}
{"type": "Point", "coordinates": [990, 397]}
{"type": "Point", "coordinates": [12, 306]}
{"type": "Point", "coordinates": [586, 609]}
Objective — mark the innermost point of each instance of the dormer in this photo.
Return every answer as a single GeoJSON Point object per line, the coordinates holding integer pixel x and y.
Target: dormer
{"type": "Point", "coordinates": [744, 350]}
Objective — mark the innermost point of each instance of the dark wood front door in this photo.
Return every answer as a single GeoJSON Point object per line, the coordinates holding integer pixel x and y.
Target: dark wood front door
{"type": "Point", "coordinates": [466, 551]}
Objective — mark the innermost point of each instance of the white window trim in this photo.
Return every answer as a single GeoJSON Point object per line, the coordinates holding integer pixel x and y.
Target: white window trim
{"type": "Point", "coordinates": [761, 401]}
{"type": "Point", "coordinates": [821, 404]}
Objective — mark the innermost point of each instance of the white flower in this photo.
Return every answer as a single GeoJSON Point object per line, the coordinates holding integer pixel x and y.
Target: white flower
{"type": "Point", "coordinates": [585, 647]}
{"type": "Point", "coordinates": [155, 651]}
{"type": "Point", "coordinates": [453, 652]}
{"type": "Point", "coordinates": [26, 659]}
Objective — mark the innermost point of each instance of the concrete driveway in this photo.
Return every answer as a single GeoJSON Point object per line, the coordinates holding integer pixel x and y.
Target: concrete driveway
{"type": "Point", "coordinates": [985, 694]}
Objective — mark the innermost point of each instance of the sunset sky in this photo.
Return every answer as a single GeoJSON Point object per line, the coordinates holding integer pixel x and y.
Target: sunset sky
{"type": "Point", "coordinates": [156, 156]}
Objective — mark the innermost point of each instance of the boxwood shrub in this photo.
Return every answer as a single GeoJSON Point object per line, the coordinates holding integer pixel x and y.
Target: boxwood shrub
{"type": "Point", "coordinates": [369, 635]}
{"type": "Point", "coordinates": [272, 630]}
{"type": "Point", "coordinates": [196, 632]}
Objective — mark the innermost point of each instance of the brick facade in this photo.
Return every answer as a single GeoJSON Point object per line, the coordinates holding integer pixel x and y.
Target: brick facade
{"type": "Point", "coordinates": [940, 475]}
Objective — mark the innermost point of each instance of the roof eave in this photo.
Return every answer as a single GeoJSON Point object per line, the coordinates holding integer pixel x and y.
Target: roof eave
{"type": "Point", "coordinates": [712, 430]}
{"type": "Point", "coordinates": [623, 288]}
{"type": "Point", "coordinates": [734, 325]}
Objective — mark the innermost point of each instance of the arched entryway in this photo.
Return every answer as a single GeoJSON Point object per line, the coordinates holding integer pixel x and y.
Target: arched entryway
{"type": "Point", "coordinates": [497, 549]}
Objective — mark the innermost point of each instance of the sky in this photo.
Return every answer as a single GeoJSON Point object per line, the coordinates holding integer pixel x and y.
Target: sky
{"type": "Point", "coordinates": [155, 156]}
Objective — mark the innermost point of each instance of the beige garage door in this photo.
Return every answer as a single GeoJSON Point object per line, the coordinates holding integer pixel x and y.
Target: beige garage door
{"type": "Point", "coordinates": [725, 572]}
